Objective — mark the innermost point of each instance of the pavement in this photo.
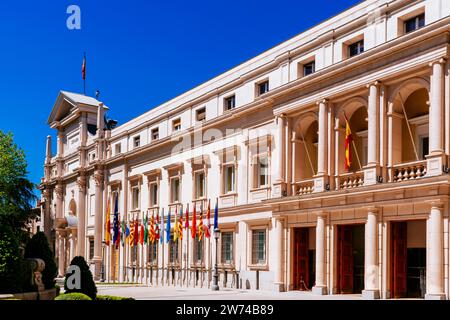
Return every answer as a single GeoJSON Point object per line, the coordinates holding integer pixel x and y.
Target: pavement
{"type": "Point", "coordinates": [140, 292]}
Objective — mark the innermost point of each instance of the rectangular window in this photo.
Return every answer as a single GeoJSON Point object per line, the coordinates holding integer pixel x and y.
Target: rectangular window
{"type": "Point", "coordinates": [415, 23]}
{"type": "Point", "coordinates": [230, 103]}
{"type": "Point", "coordinates": [91, 248]}
{"type": "Point", "coordinates": [176, 124]}
{"type": "Point", "coordinates": [154, 194]}
{"type": "Point", "coordinates": [175, 189]}
{"type": "Point", "coordinates": [117, 149]}
{"type": "Point", "coordinates": [229, 179]}
{"type": "Point", "coordinates": [263, 87]}
{"type": "Point", "coordinates": [263, 171]}
{"type": "Point", "coordinates": [199, 185]}
{"type": "Point", "coordinates": [173, 251]}
{"type": "Point", "coordinates": [258, 246]}
{"type": "Point", "coordinates": [137, 142]}
{"type": "Point", "coordinates": [153, 253]}
{"type": "Point", "coordinates": [198, 252]}
{"type": "Point", "coordinates": [155, 134]}
{"type": "Point", "coordinates": [227, 247]}
{"type": "Point", "coordinates": [309, 68]}
{"type": "Point", "coordinates": [356, 48]}
{"type": "Point", "coordinates": [135, 198]}
{"type": "Point", "coordinates": [424, 149]}
{"type": "Point", "coordinates": [201, 114]}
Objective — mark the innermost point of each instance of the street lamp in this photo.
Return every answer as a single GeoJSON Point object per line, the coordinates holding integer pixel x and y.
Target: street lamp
{"type": "Point", "coordinates": [215, 286]}
{"type": "Point", "coordinates": [102, 270]}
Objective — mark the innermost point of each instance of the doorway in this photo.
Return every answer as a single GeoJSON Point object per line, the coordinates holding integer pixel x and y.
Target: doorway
{"type": "Point", "coordinates": [304, 259]}
{"type": "Point", "coordinates": [350, 259]}
{"type": "Point", "coordinates": [408, 259]}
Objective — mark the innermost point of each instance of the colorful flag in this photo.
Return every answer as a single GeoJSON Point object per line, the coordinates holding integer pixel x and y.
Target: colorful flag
{"type": "Point", "coordinates": [186, 224]}
{"type": "Point", "coordinates": [157, 228]}
{"type": "Point", "coordinates": [131, 233]}
{"type": "Point", "coordinates": [152, 233]}
{"type": "Point", "coordinates": [208, 221]}
{"type": "Point", "coordinates": [175, 227]}
{"type": "Point", "coordinates": [180, 224]}
{"type": "Point", "coordinates": [83, 68]}
{"type": "Point", "coordinates": [116, 225]}
{"type": "Point", "coordinates": [161, 231]}
{"type": "Point", "coordinates": [108, 224]}
{"type": "Point", "coordinates": [136, 232]}
{"type": "Point", "coordinates": [194, 223]}
{"type": "Point", "coordinates": [141, 234]}
{"type": "Point", "coordinates": [200, 224]}
{"type": "Point", "coordinates": [168, 228]}
{"type": "Point", "coordinates": [348, 142]}
{"type": "Point", "coordinates": [216, 216]}
{"type": "Point", "coordinates": [124, 233]}
{"type": "Point", "coordinates": [146, 229]}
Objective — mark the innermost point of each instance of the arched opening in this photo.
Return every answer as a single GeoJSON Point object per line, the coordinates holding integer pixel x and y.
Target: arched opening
{"type": "Point", "coordinates": [358, 149]}
{"type": "Point", "coordinates": [73, 208]}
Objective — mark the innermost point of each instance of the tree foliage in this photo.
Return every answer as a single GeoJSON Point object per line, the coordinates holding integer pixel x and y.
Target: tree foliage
{"type": "Point", "coordinates": [88, 286]}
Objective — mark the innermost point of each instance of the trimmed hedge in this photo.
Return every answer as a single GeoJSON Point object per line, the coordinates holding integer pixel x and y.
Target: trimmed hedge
{"type": "Point", "coordinates": [73, 296]}
{"type": "Point", "coordinates": [112, 298]}
{"type": "Point", "coordinates": [87, 281]}
{"type": "Point", "coordinates": [38, 247]}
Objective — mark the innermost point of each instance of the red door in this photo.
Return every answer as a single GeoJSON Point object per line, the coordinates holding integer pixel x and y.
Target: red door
{"type": "Point", "coordinates": [345, 259]}
{"type": "Point", "coordinates": [399, 259]}
{"type": "Point", "coordinates": [301, 259]}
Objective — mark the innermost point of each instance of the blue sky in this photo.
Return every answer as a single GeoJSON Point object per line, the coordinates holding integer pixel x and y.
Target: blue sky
{"type": "Point", "coordinates": [139, 53]}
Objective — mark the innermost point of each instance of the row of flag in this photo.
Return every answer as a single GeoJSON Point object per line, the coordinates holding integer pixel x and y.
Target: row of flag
{"type": "Point", "coordinates": [157, 228]}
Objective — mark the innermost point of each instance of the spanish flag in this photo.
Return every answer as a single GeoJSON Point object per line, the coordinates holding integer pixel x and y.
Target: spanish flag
{"type": "Point", "coordinates": [152, 234]}
{"type": "Point", "coordinates": [194, 223]}
{"type": "Point", "coordinates": [108, 224]}
{"type": "Point", "coordinates": [200, 226]}
{"type": "Point", "coordinates": [348, 142]}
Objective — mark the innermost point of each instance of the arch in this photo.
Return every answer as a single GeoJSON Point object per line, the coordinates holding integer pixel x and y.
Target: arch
{"type": "Point", "coordinates": [405, 89]}
{"type": "Point", "coordinates": [73, 208]}
{"type": "Point", "coordinates": [304, 121]}
{"type": "Point", "coordinates": [350, 106]}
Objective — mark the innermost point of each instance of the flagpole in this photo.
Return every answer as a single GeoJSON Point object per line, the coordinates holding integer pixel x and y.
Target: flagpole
{"type": "Point", "coordinates": [187, 249]}
{"type": "Point", "coordinates": [84, 77]}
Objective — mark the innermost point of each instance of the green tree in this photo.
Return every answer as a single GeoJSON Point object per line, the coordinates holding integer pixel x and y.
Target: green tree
{"type": "Point", "coordinates": [88, 286]}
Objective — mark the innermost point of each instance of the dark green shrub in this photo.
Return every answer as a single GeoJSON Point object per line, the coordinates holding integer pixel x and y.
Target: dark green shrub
{"type": "Point", "coordinates": [73, 296]}
{"type": "Point", "coordinates": [11, 262]}
{"type": "Point", "coordinates": [87, 282]}
{"type": "Point", "coordinates": [112, 298]}
{"type": "Point", "coordinates": [38, 247]}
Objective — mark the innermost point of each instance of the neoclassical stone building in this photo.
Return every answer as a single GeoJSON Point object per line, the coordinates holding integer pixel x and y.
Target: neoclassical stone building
{"type": "Point", "coordinates": [267, 139]}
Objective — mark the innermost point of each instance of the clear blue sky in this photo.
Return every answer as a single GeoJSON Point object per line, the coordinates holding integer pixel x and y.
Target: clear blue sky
{"type": "Point", "coordinates": [139, 53]}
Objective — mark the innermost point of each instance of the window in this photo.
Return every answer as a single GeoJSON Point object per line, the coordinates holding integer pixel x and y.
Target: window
{"type": "Point", "coordinates": [199, 185]}
{"type": "Point", "coordinates": [137, 142]}
{"type": "Point", "coordinates": [198, 252]}
{"type": "Point", "coordinates": [155, 134]}
{"type": "Point", "coordinates": [154, 194]}
{"type": "Point", "coordinates": [201, 114]}
{"type": "Point", "coordinates": [176, 124]}
{"type": "Point", "coordinates": [356, 48]}
{"type": "Point", "coordinates": [227, 247]}
{"type": "Point", "coordinates": [91, 248]}
{"type": "Point", "coordinates": [415, 23]}
{"type": "Point", "coordinates": [424, 149]}
{"type": "Point", "coordinates": [135, 198]}
{"type": "Point", "coordinates": [230, 103]}
{"type": "Point", "coordinates": [173, 251]}
{"type": "Point", "coordinates": [309, 68]}
{"type": "Point", "coordinates": [258, 246]}
{"type": "Point", "coordinates": [175, 189]}
{"type": "Point", "coordinates": [263, 171]}
{"type": "Point", "coordinates": [229, 179]}
{"type": "Point", "coordinates": [117, 149]}
{"type": "Point", "coordinates": [263, 87]}
{"type": "Point", "coordinates": [152, 253]}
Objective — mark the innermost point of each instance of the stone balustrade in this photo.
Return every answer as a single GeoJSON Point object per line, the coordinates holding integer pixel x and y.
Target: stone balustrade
{"type": "Point", "coordinates": [304, 187]}
{"type": "Point", "coordinates": [409, 171]}
{"type": "Point", "coordinates": [351, 180]}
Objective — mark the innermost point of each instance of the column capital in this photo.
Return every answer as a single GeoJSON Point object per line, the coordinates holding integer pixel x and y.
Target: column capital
{"type": "Point", "coordinates": [324, 101]}
{"type": "Point", "coordinates": [98, 177]}
{"type": "Point", "coordinates": [438, 61]}
{"type": "Point", "coordinates": [59, 191]}
{"type": "Point", "coordinates": [320, 214]}
{"type": "Point", "coordinates": [81, 183]}
{"type": "Point", "coordinates": [372, 209]}
{"type": "Point", "coordinates": [375, 83]}
{"type": "Point", "coordinates": [436, 204]}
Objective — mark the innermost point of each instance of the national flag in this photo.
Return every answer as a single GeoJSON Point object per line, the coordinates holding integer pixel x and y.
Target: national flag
{"type": "Point", "coordinates": [131, 233]}
{"type": "Point", "coordinates": [180, 224]}
{"type": "Point", "coordinates": [207, 226]}
{"type": "Point", "coordinates": [200, 228]}
{"type": "Point", "coordinates": [157, 228]}
{"type": "Point", "coordinates": [124, 233]}
{"type": "Point", "coordinates": [186, 224]}
{"type": "Point", "coordinates": [161, 231]}
{"type": "Point", "coordinates": [83, 68]}
{"type": "Point", "coordinates": [146, 229]}
{"type": "Point", "coordinates": [136, 232]}
{"type": "Point", "coordinates": [152, 233]}
{"type": "Point", "coordinates": [348, 142]}
{"type": "Point", "coordinates": [141, 234]}
{"type": "Point", "coordinates": [116, 225]}
{"type": "Point", "coordinates": [216, 216]}
{"type": "Point", "coordinates": [175, 227]}
{"type": "Point", "coordinates": [108, 224]}
{"type": "Point", "coordinates": [194, 223]}
{"type": "Point", "coordinates": [168, 228]}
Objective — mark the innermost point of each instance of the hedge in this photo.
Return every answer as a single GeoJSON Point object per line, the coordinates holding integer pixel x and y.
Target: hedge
{"type": "Point", "coordinates": [73, 296]}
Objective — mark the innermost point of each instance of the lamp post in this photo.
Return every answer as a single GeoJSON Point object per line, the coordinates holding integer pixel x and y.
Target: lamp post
{"type": "Point", "coordinates": [215, 285]}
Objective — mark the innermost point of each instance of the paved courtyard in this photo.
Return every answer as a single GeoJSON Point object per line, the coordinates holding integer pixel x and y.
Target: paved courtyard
{"type": "Point", "coordinates": [179, 293]}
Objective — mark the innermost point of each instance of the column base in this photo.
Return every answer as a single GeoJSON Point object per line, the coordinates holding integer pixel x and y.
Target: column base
{"type": "Point", "coordinates": [371, 174]}
{"type": "Point", "coordinates": [320, 290]}
{"type": "Point", "coordinates": [279, 189]}
{"type": "Point", "coordinates": [279, 287]}
{"type": "Point", "coordinates": [321, 183]}
{"type": "Point", "coordinates": [97, 264]}
{"type": "Point", "coordinates": [371, 294]}
{"type": "Point", "coordinates": [435, 162]}
{"type": "Point", "coordinates": [435, 296]}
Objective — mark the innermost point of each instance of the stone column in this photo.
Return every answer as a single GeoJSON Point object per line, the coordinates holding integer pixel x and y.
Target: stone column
{"type": "Point", "coordinates": [47, 215]}
{"type": "Point", "coordinates": [372, 170]}
{"type": "Point", "coordinates": [61, 253]}
{"type": "Point", "coordinates": [371, 289]}
{"type": "Point", "coordinates": [278, 255]}
{"type": "Point", "coordinates": [435, 253]}
{"type": "Point", "coordinates": [321, 178]}
{"type": "Point", "coordinates": [59, 190]}
{"type": "Point", "coordinates": [81, 247]}
{"type": "Point", "coordinates": [97, 259]}
{"type": "Point", "coordinates": [436, 123]}
{"type": "Point", "coordinates": [279, 183]}
{"type": "Point", "coordinates": [321, 280]}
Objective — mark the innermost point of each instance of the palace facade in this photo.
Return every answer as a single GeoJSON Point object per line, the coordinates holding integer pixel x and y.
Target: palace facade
{"type": "Point", "coordinates": [267, 139]}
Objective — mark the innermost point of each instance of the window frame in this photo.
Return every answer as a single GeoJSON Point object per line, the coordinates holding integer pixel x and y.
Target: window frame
{"type": "Point", "coordinates": [259, 264]}
{"type": "Point", "coordinates": [359, 44]}
{"type": "Point", "coordinates": [172, 179]}
{"type": "Point", "coordinates": [221, 259]}
{"type": "Point", "coordinates": [176, 125]}
{"type": "Point", "coordinates": [134, 188]}
{"type": "Point", "coordinates": [260, 85]}
{"type": "Point", "coordinates": [225, 102]}
{"type": "Point", "coordinates": [225, 178]}
{"type": "Point", "coordinates": [199, 111]}
{"type": "Point", "coordinates": [136, 141]}
{"type": "Point", "coordinates": [152, 134]}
